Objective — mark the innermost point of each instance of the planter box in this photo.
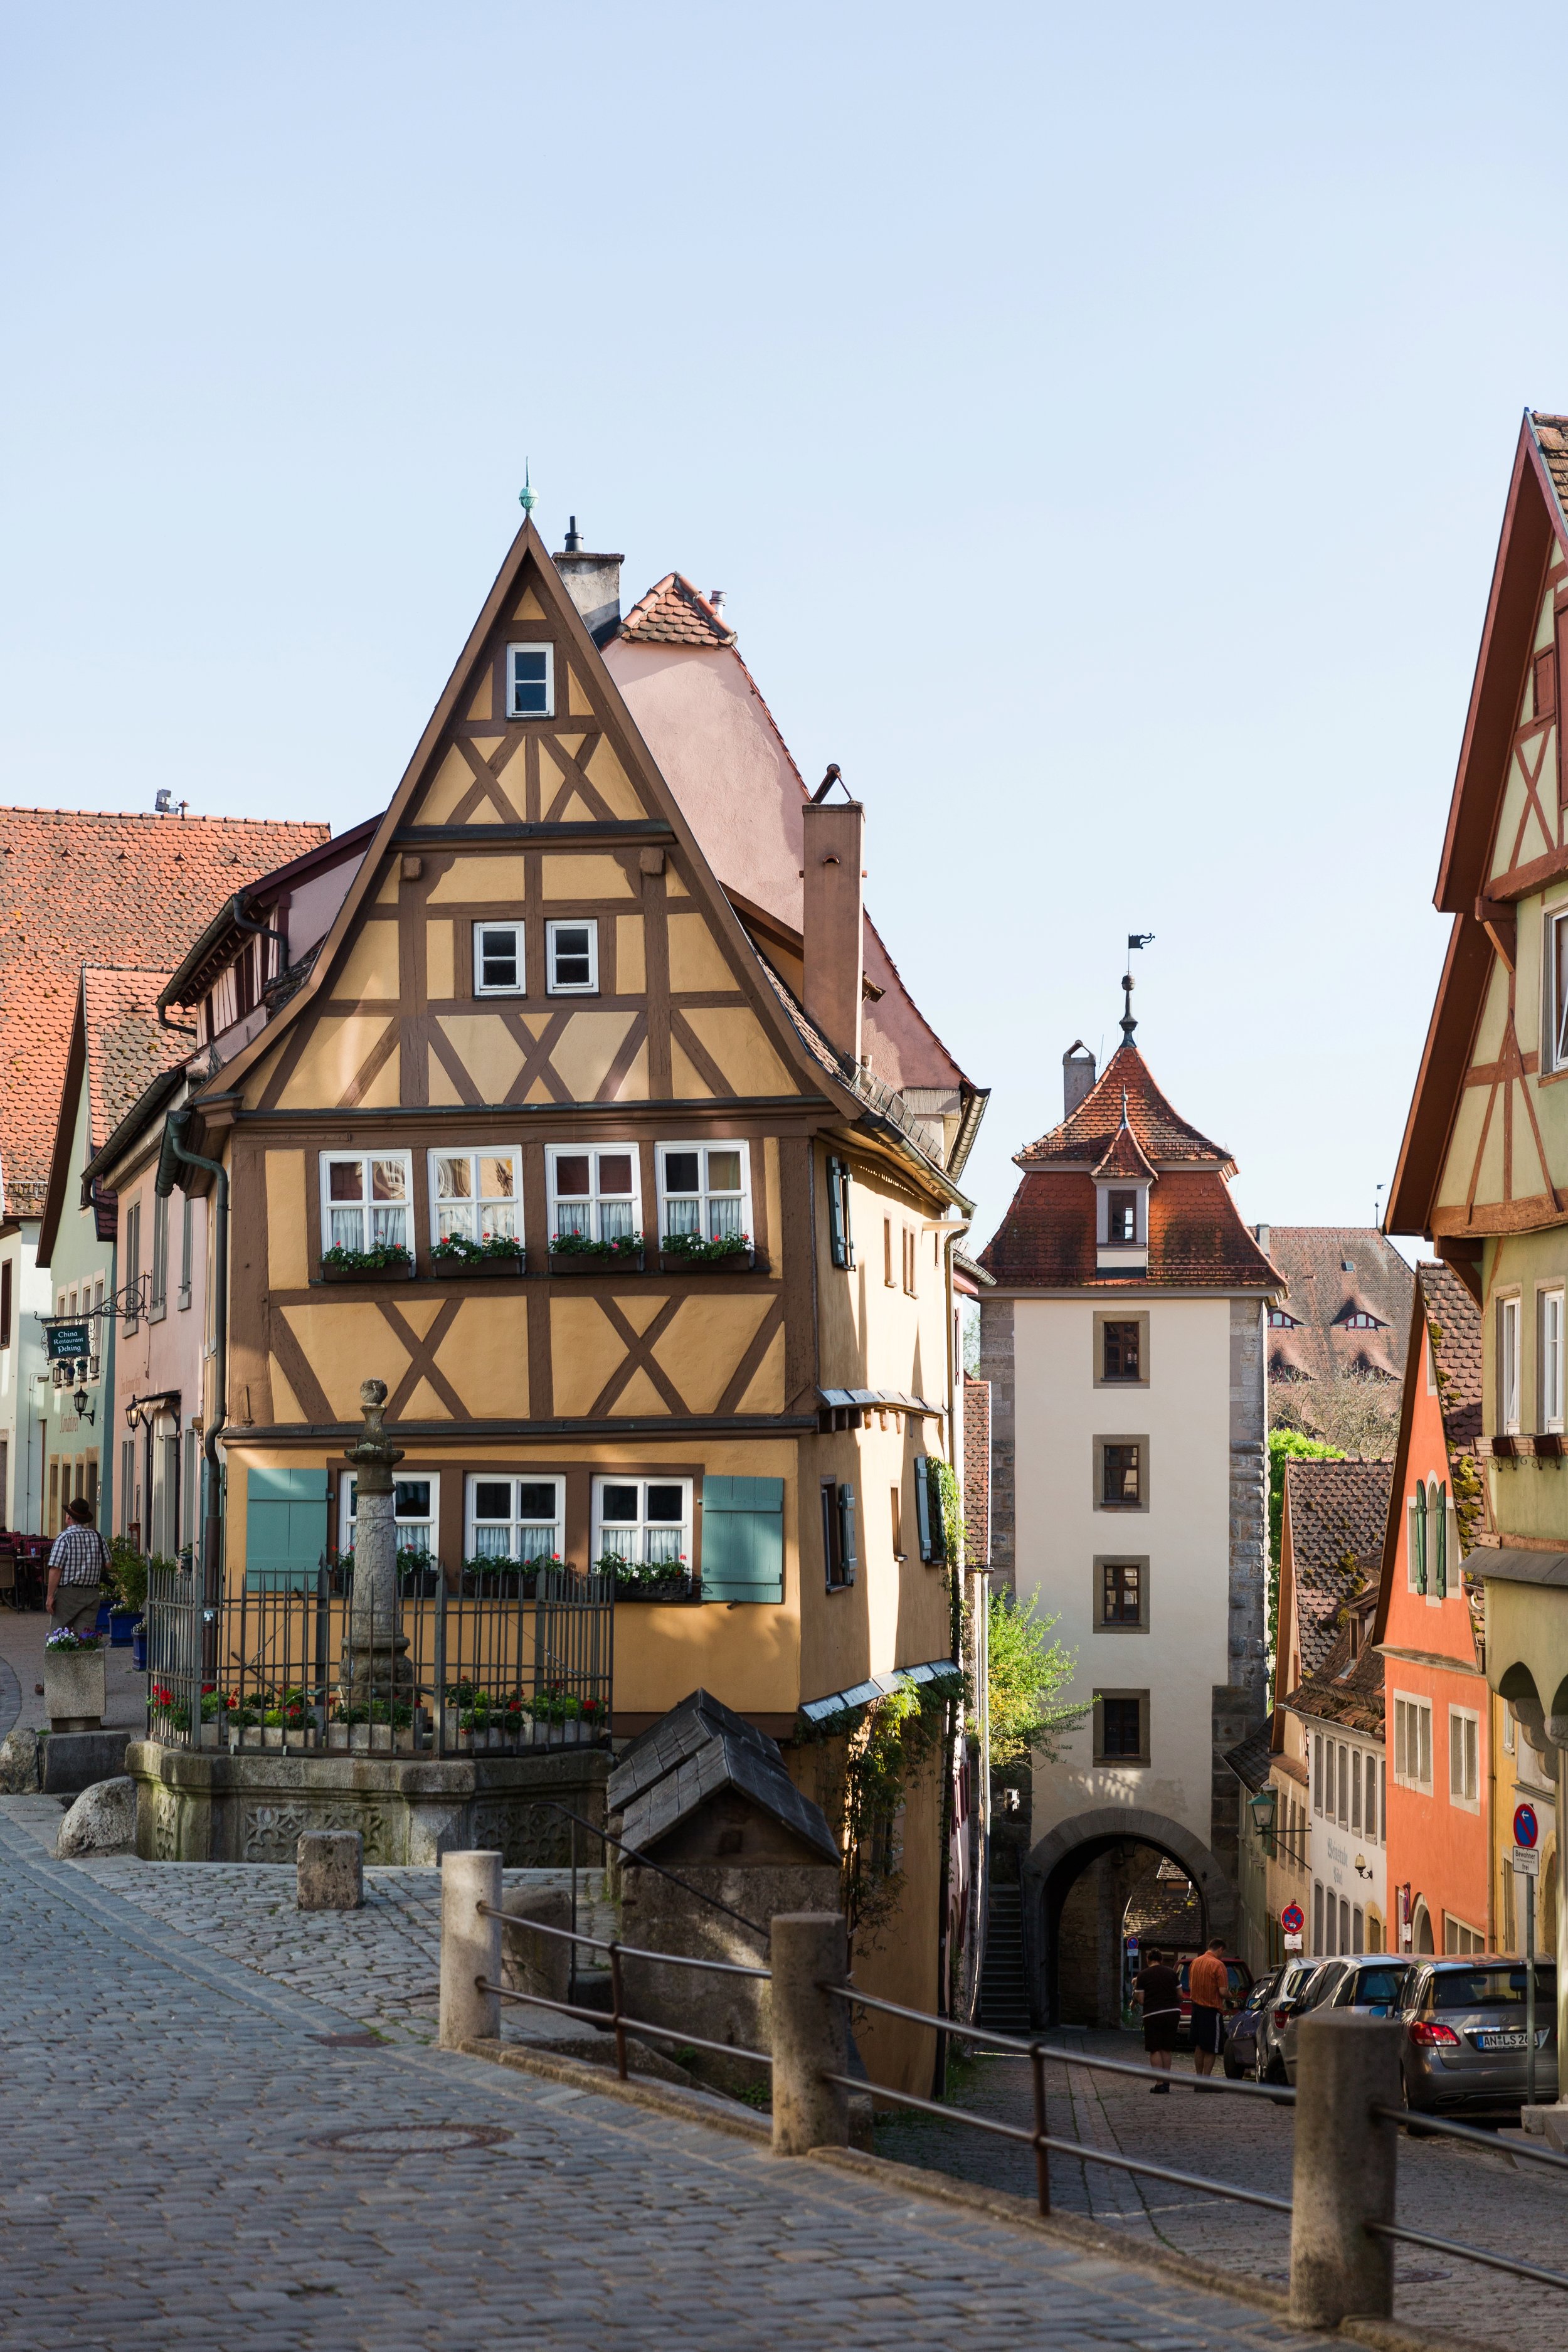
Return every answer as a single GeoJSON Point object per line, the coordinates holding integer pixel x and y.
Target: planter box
{"type": "Point", "coordinates": [121, 1624]}
{"type": "Point", "coordinates": [338, 1739]}
{"type": "Point", "coordinates": [365, 1272]}
{"type": "Point", "coordinates": [482, 1269]}
{"type": "Point", "coordinates": [737, 1262]}
{"type": "Point", "coordinates": [627, 1262]}
{"type": "Point", "coordinates": [73, 1689]}
{"type": "Point", "coordinates": [660, 1588]}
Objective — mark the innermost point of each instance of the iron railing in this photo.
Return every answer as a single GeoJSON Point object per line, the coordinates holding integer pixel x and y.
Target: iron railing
{"type": "Point", "coordinates": [507, 1663]}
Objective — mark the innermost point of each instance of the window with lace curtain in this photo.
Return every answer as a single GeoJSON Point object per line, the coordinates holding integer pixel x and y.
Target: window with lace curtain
{"type": "Point", "coordinates": [365, 1200]}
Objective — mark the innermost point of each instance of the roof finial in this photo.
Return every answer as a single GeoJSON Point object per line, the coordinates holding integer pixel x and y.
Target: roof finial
{"type": "Point", "coordinates": [1134, 939]}
{"type": "Point", "coordinates": [528, 497]}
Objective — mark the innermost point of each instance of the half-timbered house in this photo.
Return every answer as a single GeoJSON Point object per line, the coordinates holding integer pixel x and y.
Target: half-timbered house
{"type": "Point", "coordinates": [600, 1126]}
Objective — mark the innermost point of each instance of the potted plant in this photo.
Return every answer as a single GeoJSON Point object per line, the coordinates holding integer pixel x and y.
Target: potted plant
{"type": "Point", "coordinates": [500, 1254]}
{"type": "Point", "coordinates": [660, 1579]}
{"type": "Point", "coordinates": [340, 1264]}
{"type": "Point", "coordinates": [690, 1254]}
{"type": "Point", "coordinates": [127, 1584]}
{"type": "Point", "coordinates": [581, 1254]}
{"type": "Point", "coordinates": [169, 1714]}
{"type": "Point", "coordinates": [73, 1681]}
{"type": "Point", "coordinates": [139, 1646]}
{"type": "Point", "coordinates": [419, 1572]}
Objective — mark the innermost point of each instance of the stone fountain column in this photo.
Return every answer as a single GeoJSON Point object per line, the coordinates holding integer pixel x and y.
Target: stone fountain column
{"type": "Point", "coordinates": [375, 1664]}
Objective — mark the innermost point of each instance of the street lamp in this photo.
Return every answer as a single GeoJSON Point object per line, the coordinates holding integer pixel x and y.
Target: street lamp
{"type": "Point", "coordinates": [1263, 1807]}
{"type": "Point", "coordinates": [83, 1410]}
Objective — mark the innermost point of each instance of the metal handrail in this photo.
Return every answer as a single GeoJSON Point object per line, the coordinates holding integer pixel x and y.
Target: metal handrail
{"type": "Point", "coordinates": [622, 2024]}
{"type": "Point", "coordinates": [1469, 2253]}
{"type": "Point", "coordinates": [1413, 2118]}
{"type": "Point", "coordinates": [1275, 2093]}
{"type": "Point", "coordinates": [1067, 2147]}
{"type": "Point", "coordinates": [646, 1861]}
{"type": "Point", "coordinates": [628, 1951]}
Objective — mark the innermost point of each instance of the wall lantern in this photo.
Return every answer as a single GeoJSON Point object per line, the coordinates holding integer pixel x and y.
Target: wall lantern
{"type": "Point", "coordinates": [83, 1413]}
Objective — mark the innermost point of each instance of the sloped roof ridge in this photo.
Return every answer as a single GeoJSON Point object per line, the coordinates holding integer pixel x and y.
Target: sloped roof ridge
{"type": "Point", "coordinates": [675, 613]}
{"type": "Point", "coordinates": [1126, 1157]}
{"type": "Point", "coordinates": [1159, 1127]}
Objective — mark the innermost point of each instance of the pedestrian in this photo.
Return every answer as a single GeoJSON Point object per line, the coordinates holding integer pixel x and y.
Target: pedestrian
{"type": "Point", "coordinates": [77, 1563]}
{"type": "Point", "coordinates": [1208, 1982]}
{"type": "Point", "coordinates": [1157, 1989]}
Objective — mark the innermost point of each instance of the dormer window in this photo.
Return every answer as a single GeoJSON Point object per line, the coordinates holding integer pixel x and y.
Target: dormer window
{"type": "Point", "coordinates": [531, 681]}
{"type": "Point", "coordinates": [1280, 1321]}
{"type": "Point", "coordinates": [1356, 1319]}
{"type": "Point", "coordinates": [1121, 1216]}
{"type": "Point", "coordinates": [1122, 1227]}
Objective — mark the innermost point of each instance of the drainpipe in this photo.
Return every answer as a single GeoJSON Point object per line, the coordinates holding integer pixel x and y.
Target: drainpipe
{"type": "Point", "coordinates": [174, 1149]}
{"type": "Point", "coordinates": [952, 1233]}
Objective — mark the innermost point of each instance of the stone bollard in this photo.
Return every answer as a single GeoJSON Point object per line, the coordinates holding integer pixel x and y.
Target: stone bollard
{"type": "Point", "coordinates": [1344, 2170]}
{"type": "Point", "coordinates": [470, 1947]}
{"type": "Point", "coordinates": [811, 2031]}
{"type": "Point", "coordinates": [329, 1871]}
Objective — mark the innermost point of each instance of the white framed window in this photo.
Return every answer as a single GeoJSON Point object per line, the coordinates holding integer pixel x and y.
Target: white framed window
{"type": "Point", "coordinates": [1370, 1811]}
{"type": "Point", "coordinates": [517, 1518]}
{"type": "Point", "coordinates": [1459, 1938]}
{"type": "Point", "coordinates": [593, 1191]}
{"type": "Point", "coordinates": [475, 1196]}
{"type": "Point", "coordinates": [531, 681]}
{"type": "Point", "coordinates": [499, 966]}
{"type": "Point", "coordinates": [1355, 1787]}
{"type": "Point", "coordinates": [1413, 1743]}
{"type": "Point", "coordinates": [415, 1506]}
{"type": "Point", "coordinates": [1123, 1215]}
{"type": "Point", "coordinates": [1554, 987]}
{"type": "Point", "coordinates": [1318, 1771]}
{"type": "Point", "coordinates": [1344, 1787]}
{"type": "Point", "coordinates": [704, 1189]}
{"type": "Point", "coordinates": [1464, 1760]}
{"type": "Point", "coordinates": [1549, 1394]}
{"type": "Point", "coordinates": [1508, 1364]}
{"type": "Point", "coordinates": [646, 1521]}
{"type": "Point", "coordinates": [365, 1201]}
{"type": "Point", "coordinates": [572, 958]}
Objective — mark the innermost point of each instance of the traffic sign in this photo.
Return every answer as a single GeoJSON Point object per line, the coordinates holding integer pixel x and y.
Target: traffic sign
{"type": "Point", "coordinates": [1527, 1861]}
{"type": "Point", "coordinates": [1526, 1828]}
{"type": "Point", "coordinates": [1292, 1919]}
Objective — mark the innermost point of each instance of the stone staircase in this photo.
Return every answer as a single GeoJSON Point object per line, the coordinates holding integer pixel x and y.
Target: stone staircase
{"type": "Point", "coordinates": [1004, 1984]}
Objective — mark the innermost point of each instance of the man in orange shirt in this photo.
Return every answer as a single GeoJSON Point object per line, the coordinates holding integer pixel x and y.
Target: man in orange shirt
{"type": "Point", "coordinates": [1208, 1982]}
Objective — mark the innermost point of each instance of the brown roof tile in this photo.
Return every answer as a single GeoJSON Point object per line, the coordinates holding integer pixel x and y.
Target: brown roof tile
{"type": "Point", "coordinates": [1339, 1511]}
{"type": "Point", "coordinates": [1379, 1282]}
{"type": "Point", "coordinates": [126, 1047]}
{"type": "Point", "coordinates": [1348, 1686]}
{"type": "Point", "coordinates": [1125, 1087]}
{"type": "Point", "coordinates": [674, 614]}
{"type": "Point", "coordinates": [1126, 1158]}
{"type": "Point", "coordinates": [1455, 1321]}
{"type": "Point", "coordinates": [1552, 433]}
{"type": "Point", "coordinates": [1196, 1238]}
{"type": "Point", "coordinates": [88, 887]}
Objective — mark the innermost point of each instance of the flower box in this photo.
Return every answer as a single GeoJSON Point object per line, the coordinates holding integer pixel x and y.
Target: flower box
{"type": "Point", "coordinates": [401, 1271]}
{"type": "Point", "coordinates": [74, 1689]}
{"type": "Point", "coordinates": [338, 1739]}
{"type": "Point", "coordinates": [654, 1588]}
{"type": "Point", "coordinates": [732, 1262]}
{"type": "Point", "coordinates": [596, 1260]}
{"type": "Point", "coordinates": [505, 1266]}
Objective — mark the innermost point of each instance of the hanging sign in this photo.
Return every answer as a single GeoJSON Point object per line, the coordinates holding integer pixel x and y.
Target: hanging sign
{"type": "Point", "coordinates": [63, 1342]}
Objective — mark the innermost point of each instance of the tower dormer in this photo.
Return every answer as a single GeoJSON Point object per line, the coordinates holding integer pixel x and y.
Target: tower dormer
{"type": "Point", "coordinates": [1123, 1180]}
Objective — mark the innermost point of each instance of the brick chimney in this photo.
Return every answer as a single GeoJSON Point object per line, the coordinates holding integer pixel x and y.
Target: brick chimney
{"type": "Point", "coordinates": [1077, 1076]}
{"type": "Point", "coordinates": [833, 920]}
{"type": "Point", "coordinates": [594, 584]}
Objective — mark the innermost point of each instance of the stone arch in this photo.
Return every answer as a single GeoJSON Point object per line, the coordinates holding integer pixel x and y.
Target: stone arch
{"type": "Point", "coordinates": [1060, 1857]}
{"type": "Point", "coordinates": [1423, 1934]}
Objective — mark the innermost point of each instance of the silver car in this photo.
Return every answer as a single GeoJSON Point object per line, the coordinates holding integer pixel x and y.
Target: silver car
{"type": "Point", "coordinates": [1267, 2064]}
{"type": "Point", "coordinates": [1465, 2047]}
{"type": "Point", "coordinates": [1372, 1983]}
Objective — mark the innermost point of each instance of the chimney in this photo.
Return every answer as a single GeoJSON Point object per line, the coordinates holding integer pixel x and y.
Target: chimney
{"type": "Point", "coordinates": [1261, 1235]}
{"type": "Point", "coordinates": [716, 598]}
{"type": "Point", "coordinates": [1077, 1076]}
{"type": "Point", "coordinates": [833, 920]}
{"type": "Point", "coordinates": [594, 584]}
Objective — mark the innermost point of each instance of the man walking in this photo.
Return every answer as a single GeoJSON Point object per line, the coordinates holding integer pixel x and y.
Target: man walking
{"type": "Point", "coordinates": [1208, 1982]}
{"type": "Point", "coordinates": [76, 1563]}
{"type": "Point", "coordinates": [1157, 1989]}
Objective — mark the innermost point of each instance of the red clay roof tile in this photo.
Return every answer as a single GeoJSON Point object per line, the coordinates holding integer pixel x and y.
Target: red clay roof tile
{"type": "Point", "coordinates": [91, 888]}
{"type": "Point", "coordinates": [1084, 1136]}
{"type": "Point", "coordinates": [674, 614]}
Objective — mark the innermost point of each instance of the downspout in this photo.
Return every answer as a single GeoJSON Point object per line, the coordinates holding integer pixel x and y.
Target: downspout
{"type": "Point", "coordinates": [174, 1149]}
{"type": "Point", "coordinates": [953, 1232]}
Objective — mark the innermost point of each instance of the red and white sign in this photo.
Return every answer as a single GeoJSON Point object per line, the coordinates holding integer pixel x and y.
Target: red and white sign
{"type": "Point", "coordinates": [1526, 1828]}
{"type": "Point", "coordinates": [1292, 1919]}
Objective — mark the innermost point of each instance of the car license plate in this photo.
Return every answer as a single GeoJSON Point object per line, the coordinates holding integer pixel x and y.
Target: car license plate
{"type": "Point", "coordinates": [1501, 2041]}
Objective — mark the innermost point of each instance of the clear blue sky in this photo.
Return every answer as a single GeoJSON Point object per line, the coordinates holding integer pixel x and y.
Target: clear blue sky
{"type": "Point", "coordinates": [1099, 420]}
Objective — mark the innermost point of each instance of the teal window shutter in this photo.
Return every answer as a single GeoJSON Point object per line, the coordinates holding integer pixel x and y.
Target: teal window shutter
{"type": "Point", "coordinates": [1420, 1534]}
{"type": "Point", "coordinates": [742, 1539]}
{"type": "Point", "coordinates": [922, 1504]}
{"type": "Point", "coordinates": [1439, 1507]}
{"type": "Point", "coordinates": [285, 1528]}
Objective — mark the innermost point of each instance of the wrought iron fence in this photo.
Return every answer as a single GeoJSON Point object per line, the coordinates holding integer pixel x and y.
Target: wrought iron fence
{"type": "Point", "coordinates": [505, 1665]}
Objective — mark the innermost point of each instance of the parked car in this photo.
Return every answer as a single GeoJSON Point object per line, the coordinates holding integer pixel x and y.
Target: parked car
{"type": "Point", "coordinates": [1240, 1986]}
{"type": "Point", "coordinates": [1292, 1980]}
{"type": "Point", "coordinates": [1464, 2048]}
{"type": "Point", "coordinates": [1242, 2028]}
{"type": "Point", "coordinates": [1373, 1982]}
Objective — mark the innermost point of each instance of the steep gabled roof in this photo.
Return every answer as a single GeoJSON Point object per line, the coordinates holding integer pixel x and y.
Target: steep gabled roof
{"type": "Point", "coordinates": [1338, 1514]}
{"type": "Point", "coordinates": [674, 614]}
{"type": "Point", "coordinates": [701, 1750]}
{"type": "Point", "coordinates": [85, 886]}
{"type": "Point", "coordinates": [1333, 1270]}
{"type": "Point", "coordinates": [1455, 1321]}
{"type": "Point", "coordinates": [1083, 1138]}
{"type": "Point", "coordinates": [1125, 1158]}
{"type": "Point", "coordinates": [117, 1044]}
{"type": "Point", "coordinates": [1347, 1688]}
{"type": "Point", "coordinates": [1443, 1307]}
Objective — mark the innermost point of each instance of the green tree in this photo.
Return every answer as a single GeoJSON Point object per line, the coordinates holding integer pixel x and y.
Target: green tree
{"type": "Point", "coordinates": [1027, 1669]}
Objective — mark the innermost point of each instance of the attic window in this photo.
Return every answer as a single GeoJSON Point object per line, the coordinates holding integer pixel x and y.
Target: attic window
{"type": "Point", "coordinates": [1121, 1217]}
{"type": "Point", "coordinates": [1358, 1320]}
{"type": "Point", "coordinates": [531, 681]}
{"type": "Point", "coordinates": [1280, 1321]}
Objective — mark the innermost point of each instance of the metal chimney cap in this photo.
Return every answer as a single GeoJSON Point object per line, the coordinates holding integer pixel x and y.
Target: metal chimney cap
{"type": "Point", "coordinates": [573, 536]}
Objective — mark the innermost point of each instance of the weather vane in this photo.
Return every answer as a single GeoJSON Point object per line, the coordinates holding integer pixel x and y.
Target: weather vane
{"type": "Point", "coordinates": [1134, 939]}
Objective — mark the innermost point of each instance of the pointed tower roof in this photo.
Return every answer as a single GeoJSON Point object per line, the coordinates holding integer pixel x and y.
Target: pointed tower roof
{"type": "Point", "coordinates": [1126, 1157]}
{"type": "Point", "coordinates": [1125, 1095]}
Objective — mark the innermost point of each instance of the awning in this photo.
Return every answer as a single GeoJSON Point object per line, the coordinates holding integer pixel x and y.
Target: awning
{"type": "Point", "coordinates": [1516, 1567]}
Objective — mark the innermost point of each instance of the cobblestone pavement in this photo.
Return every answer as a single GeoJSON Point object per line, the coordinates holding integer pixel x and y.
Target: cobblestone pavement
{"type": "Point", "coordinates": [1479, 2198]}
{"type": "Point", "coordinates": [172, 2177]}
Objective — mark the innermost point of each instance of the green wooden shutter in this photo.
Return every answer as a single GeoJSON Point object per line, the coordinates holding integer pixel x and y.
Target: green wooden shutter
{"type": "Point", "coordinates": [1438, 1504]}
{"type": "Point", "coordinates": [1420, 1532]}
{"type": "Point", "coordinates": [285, 1528]}
{"type": "Point", "coordinates": [922, 1504]}
{"type": "Point", "coordinates": [742, 1539]}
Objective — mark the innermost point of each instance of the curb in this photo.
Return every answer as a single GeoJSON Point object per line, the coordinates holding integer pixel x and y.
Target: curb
{"type": "Point", "coordinates": [995, 2204]}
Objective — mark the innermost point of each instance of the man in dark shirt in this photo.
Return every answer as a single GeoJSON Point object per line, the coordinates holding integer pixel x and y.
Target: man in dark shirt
{"type": "Point", "coordinates": [1157, 1989]}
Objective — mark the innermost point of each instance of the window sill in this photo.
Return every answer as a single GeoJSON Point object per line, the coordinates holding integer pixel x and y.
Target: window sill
{"type": "Point", "coordinates": [157, 1314]}
{"type": "Point", "coordinates": [182, 1301]}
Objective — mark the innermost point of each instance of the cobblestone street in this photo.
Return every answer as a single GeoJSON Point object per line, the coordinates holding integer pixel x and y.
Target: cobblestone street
{"type": "Point", "coordinates": [1477, 2199]}
{"type": "Point", "coordinates": [171, 2178]}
